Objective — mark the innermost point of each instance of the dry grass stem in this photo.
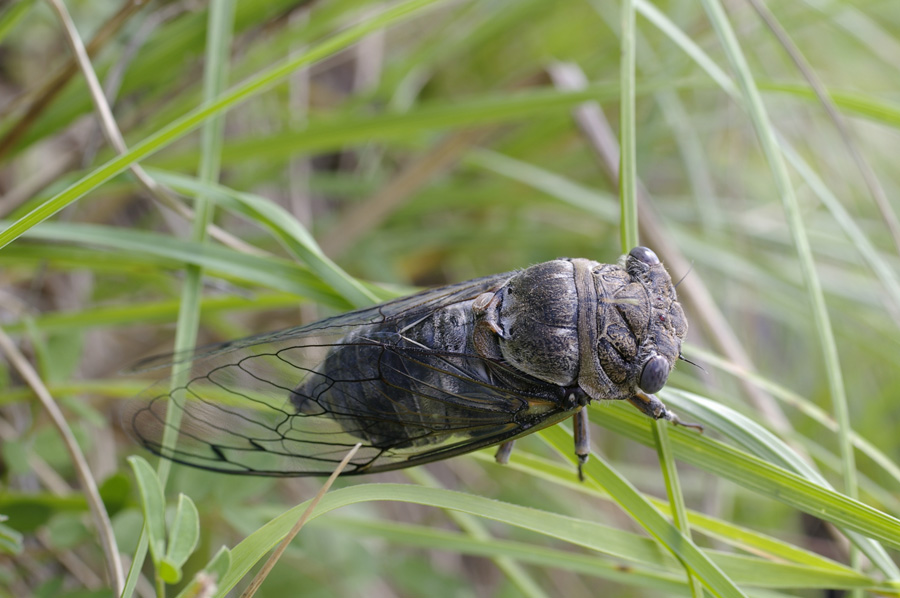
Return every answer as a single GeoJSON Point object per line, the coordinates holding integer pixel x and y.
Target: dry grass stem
{"type": "Point", "coordinates": [85, 477]}
{"type": "Point", "coordinates": [273, 558]}
{"type": "Point", "coordinates": [114, 136]}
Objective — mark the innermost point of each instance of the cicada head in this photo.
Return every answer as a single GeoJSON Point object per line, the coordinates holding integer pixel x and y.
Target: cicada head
{"type": "Point", "coordinates": [640, 324]}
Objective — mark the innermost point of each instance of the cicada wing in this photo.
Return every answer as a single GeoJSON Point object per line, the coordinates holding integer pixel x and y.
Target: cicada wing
{"type": "Point", "coordinates": [233, 412]}
{"type": "Point", "coordinates": [294, 402]}
{"type": "Point", "coordinates": [403, 309]}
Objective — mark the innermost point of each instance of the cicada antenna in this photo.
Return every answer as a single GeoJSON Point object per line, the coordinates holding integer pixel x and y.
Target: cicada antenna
{"type": "Point", "coordinates": [685, 275]}
{"type": "Point", "coordinates": [696, 365]}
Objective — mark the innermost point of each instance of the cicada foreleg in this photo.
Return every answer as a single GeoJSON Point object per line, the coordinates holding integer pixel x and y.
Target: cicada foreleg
{"type": "Point", "coordinates": [651, 406]}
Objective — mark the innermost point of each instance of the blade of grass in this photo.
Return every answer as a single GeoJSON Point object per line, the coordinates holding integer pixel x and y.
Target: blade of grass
{"type": "Point", "coordinates": [284, 226]}
{"type": "Point", "coordinates": [628, 217]}
{"type": "Point", "coordinates": [12, 15]}
{"type": "Point", "coordinates": [647, 516]}
{"type": "Point", "coordinates": [111, 388]}
{"type": "Point", "coordinates": [275, 556]}
{"type": "Point", "coordinates": [804, 406]}
{"type": "Point", "coordinates": [473, 528]}
{"type": "Point", "coordinates": [865, 169]}
{"type": "Point", "coordinates": [768, 447]}
{"type": "Point", "coordinates": [734, 535]}
{"type": "Point", "coordinates": [758, 475]}
{"type": "Point", "coordinates": [569, 529]}
{"type": "Point", "coordinates": [687, 45]}
{"type": "Point", "coordinates": [275, 273]}
{"type": "Point", "coordinates": [690, 147]}
{"type": "Point", "coordinates": [150, 312]}
{"type": "Point", "coordinates": [886, 274]}
{"type": "Point", "coordinates": [34, 102]}
{"type": "Point", "coordinates": [663, 583]}
{"type": "Point", "coordinates": [629, 238]}
{"type": "Point", "coordinates": [766, 134]}
{"type": "Point", "coordinates": [107, 541]}
{"type": "Point", "coordinates": [749, 570]}
{"type": "Point", "coordinates": [330, 134]}
{"type": "Point", "coordinates": [215, 76]}
{"type": "Point", "coordinates": [111, 130]}
{"type": "Point", "coordinates": [82, 469]}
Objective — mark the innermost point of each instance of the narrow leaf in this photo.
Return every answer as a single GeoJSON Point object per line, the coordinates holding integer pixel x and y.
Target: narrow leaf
{"type": "Point", "coordinates": [153, 504]}
{"type": "Point", "coordinates": [184, 532]}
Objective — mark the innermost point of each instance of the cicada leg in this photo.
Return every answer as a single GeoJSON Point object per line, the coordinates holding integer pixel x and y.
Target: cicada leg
{"type": "Point", "coordinates": [653, 407]}
{"type": "Point", "coordinates": [582, 439]}
{"type": "Point", "coordinates": [504, 452]}
{"type": "Point", "coordinates": [582, 443]}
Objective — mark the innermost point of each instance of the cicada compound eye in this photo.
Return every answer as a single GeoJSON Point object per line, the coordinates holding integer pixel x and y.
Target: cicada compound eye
{"type": "Point", "coordinates": [645, 255]}
{"type": "Point", "coordinates": [654, 374]}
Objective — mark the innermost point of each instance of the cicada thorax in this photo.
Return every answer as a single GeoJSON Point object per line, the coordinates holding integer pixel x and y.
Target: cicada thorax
{"type": "Point", "coordinates": [531, 322]}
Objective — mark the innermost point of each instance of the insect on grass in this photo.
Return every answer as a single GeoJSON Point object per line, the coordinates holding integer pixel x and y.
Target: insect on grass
{"type": "Point", "coordinates": [437, 374]}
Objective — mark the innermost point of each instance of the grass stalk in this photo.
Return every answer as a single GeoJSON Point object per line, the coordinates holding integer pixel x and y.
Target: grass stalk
{"type": "Point", "coordinates": [766, 134]}
{"type": "Point", "coordinates": [628, 223]}
{"type": "Point", "coordinates": [517, 575]}
{"type": "Point", "coordinates": [629, 238]}
{"type": "Point", "coordinates": [218, 52]}
{"type": "Point", "coordinates": [865, 168]}
{"type": "Point", "coordinates": [82, 469]}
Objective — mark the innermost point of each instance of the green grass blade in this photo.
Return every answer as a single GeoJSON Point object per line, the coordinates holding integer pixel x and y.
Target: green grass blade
{"type": "Point", "coordinates": [284, 226]}
{"type": "Point", "coordinates": [150, 312]}
{"type": "Point", "coordinates": [581, 532]}
{"type": "Point", "coordinates": [275, 273]}
{"type": "Point", "coordinates": [746, 570]}
{"type": "Point", "coordinates": [12, 15]}
{"type": "Point", "coordinates": [628, 218]}
{"type": "Point", "coordinates": [646, 515]}
{"type": "Point", "coordinates": [153, 504]}
{"type": "Point", "coordinates": [804, 406]}
{"type": "Point", "coordinates": [770, 448]}
{"type": "Point", "coordinates": [561, 475]}
{"type": "Point", "coordinates": [758, 476]}
{"type": "Point", "coordinates": [628, 231]}
{"type": "Point", "coordinates": [664, 583]}
{"type": "Point", "coordinates": [517, 575]}
{"type": "Point", "coordinates": [768, 142]}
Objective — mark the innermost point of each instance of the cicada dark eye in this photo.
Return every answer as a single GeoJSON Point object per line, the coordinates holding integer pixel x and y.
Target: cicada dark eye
{"type": "Point", "coordinates": [644, 255]}
{"type": "Point", "coordinates": [654, 374]}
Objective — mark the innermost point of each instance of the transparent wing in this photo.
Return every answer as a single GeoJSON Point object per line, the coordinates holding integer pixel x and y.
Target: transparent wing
{"type": "Point", "coordinates": [400, 311]}
{"type": "Point", "coordinates": [294, 402]}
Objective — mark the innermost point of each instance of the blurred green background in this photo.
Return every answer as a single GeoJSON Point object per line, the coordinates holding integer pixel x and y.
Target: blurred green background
{"type": "Point", "coordinates": [434, 147]}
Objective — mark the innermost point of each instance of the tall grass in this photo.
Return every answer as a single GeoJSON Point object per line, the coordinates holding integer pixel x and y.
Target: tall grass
{"type": "Point", "coordinates": [426, 142]}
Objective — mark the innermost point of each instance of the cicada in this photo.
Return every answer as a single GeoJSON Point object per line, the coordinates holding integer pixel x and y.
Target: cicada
{"type": "Point", "coordinates": [437, 374]}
